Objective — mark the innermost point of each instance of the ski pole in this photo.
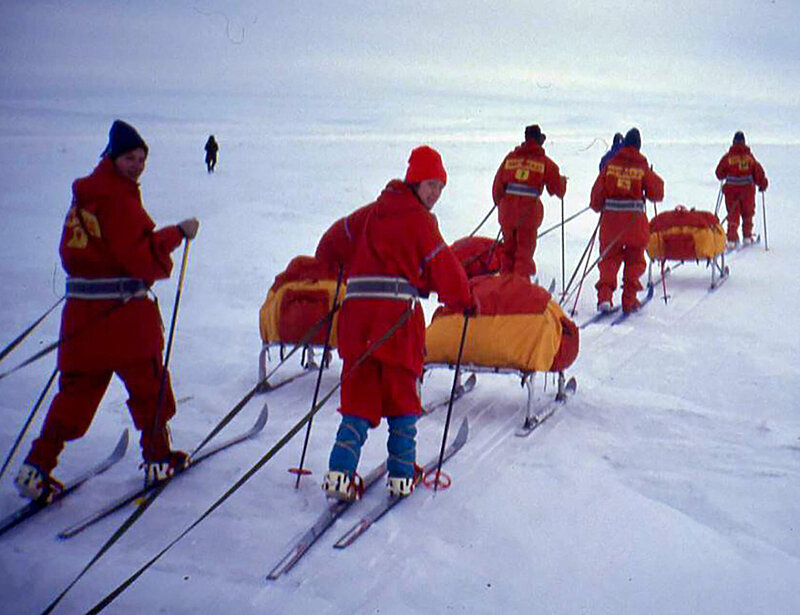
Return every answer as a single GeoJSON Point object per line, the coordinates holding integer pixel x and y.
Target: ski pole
{"type": "Point", "coordinates": [764, 211]}
{"type": "Point", "coordinates": [569, 219]}
{"type": "Point", "coordinates": [489, 252]}
{"type": "Point", "coordinates": [28, 422]}
{"type": "Point", "coordinates": [16, 342]}
{"type": "Point", "coordinates": [586, 251]}
{"type": "Point", "coordinates": [164, 373]}
{"type": "Point", "coordinates": [61, 341]}
{"type": "Point", "coordinates": [299, 470]}
{"type": "Point", "coordinates": [563, 252]}
{"type": "Point", "coordinates": [450, 403]}
{"type": "Point", "coordinates": [485, 218]}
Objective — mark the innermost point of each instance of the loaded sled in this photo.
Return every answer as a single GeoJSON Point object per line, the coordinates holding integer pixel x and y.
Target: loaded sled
{"type": "Point", "coordinates": [685, 235]}
{"type": "Point", "coordinates": [520, 331]}
{"type": "Point", "coordinates": [295, 314]}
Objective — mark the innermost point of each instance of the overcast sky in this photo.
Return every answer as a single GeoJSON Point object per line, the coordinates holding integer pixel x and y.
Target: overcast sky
{"type": "Point", "coordinates": [734, 49]}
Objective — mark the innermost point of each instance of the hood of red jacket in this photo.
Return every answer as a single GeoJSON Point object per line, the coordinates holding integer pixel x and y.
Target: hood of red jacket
{"type": "Point", "coordinates": [629, 154]}
{"type": "Point", "coordinates": [739, 148]}
{"type": "Point", "coordinates": [529, 147]}
{"type": "Point", "coordinates": [397, 199]}
{"type": "Point", "coordinates": [103, 180]}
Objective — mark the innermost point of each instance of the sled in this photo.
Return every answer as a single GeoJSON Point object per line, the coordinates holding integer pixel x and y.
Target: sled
{"type": "Point", "coordinates": [295, 314]}
{"type": "Point", "coordinates": [685, 235]}
{"type": "Point", "coordinates": [519, 330]}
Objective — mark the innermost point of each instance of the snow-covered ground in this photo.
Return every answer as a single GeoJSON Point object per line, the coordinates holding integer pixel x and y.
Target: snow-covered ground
{"type": "Point", "coordinates": [666, 485]}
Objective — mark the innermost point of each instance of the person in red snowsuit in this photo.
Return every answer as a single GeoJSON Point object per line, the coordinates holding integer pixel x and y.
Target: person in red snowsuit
{"type": "Point", "coordinates": [395, 254]}
{"type": "Point", "coordinates": [619, 194]}
{"type": "Point", "coordinates": [112, 255]}
{"type": "Point", "coordinates": [518, 184]}
{"type": "Point", "coordinates": [741, 172]}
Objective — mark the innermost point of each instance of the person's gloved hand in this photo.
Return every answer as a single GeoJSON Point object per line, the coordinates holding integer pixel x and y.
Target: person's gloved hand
{"type": "Point", "coordinates": [189, 227]}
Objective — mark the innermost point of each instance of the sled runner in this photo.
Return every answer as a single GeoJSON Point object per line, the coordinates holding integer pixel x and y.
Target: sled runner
{"type": "Point", "coordinates": [519, 330]}
{"type": "Point", "coordinates": [686, 235]}
{"type": "Point", "coordinates": [295, 311]}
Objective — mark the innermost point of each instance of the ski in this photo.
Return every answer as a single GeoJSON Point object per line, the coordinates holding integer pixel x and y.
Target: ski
{"type": "Point", "coordinates": [743, 245]}
{"type": "Point", "coordinates": [461, 390]}
{"type": "Point", "coordinates": [624, 316]}
{"type": "Point", "coordinates": [390, 501]}
{"type": "Point", "coordinates": [138, 492]}
{"type": "Point", "coordinates": [535, 420]}
{"type": "Point", "coordinates": [334, 510]}
{"type": "Point", "coordinates": [30, 509]}
{"type": "Point", "coordinates": [600, 316]}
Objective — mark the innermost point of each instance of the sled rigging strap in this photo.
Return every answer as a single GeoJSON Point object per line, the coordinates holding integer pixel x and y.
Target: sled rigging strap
{"type": "Point", "coordinates": [18, 340]}
{"type": "Point", "coordinates": [62, 340]}
{"type": "Point", "coordinates": [27, 424]}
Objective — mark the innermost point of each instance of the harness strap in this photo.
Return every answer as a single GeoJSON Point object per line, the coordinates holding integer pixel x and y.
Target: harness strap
{"type": "Point", "coordinates": [624, 205]}
{"type": "Point", "coordinates": [522, 190]}
{"type": "Point", "coordinates": [106, 288]}
{"type": "Point", "coordinates": [380, 287]}
{"type": "Point", "coordinates": [739, 181]}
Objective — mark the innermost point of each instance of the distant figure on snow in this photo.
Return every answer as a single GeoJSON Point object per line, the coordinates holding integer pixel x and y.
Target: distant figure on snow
{"type": "Point", "coordinates": [211, 147]}
{"type": "Point", "coordinates": [112, 255]}
{"type": "Point", "coordinates": [619, 194]}
{"type": "Point", "coordinates": [518, 184]}
{"type": "Point", "coordinates": [741, 172]}
{"type": "Point", "coordinates": [394, 253]}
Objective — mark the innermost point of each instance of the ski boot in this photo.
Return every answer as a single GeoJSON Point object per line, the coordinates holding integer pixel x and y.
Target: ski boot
{"type": "Point", "coordinates": [157, 471]}
{"type": "Point", "coordinates": [33, 484]}
{"type": "Point", "coordinates": [342, 486]}
{"type": "Point", "coordinates": [401, 486]}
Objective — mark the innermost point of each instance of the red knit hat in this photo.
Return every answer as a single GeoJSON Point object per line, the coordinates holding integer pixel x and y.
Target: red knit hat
{"type": "Point", "coordinates": [425, 163]}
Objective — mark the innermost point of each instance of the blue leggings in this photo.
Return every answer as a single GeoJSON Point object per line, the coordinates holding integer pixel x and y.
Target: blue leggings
{"type": "Point", "coordinates": [401, 445]}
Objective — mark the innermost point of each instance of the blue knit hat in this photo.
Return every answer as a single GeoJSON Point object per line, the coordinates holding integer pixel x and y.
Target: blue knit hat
{"type": "Point", "coordinates": [633, 138]}
{"type": "Point", "coordinates": [123, 138]}
{"type": "Point", "coordinates": [738, 137]}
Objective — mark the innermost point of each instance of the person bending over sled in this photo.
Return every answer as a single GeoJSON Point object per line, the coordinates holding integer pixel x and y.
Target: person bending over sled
{"type": "Point", "coordinates": [741, 172]}
{"type": "Point", "coordinates": [619, 194]}
{"type": "Point", "coordinates": [112, 256]}
{"type": "Point", "coordinates": [398, 256]}
{"type": "Point", "coordinates": [518, 184]}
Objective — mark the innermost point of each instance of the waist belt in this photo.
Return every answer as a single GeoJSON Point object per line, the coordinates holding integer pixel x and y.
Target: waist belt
{"type": "Point", "coordinates": [624, 205]}
{"type": "Point", "coordinates": [522, 190]}
{"type": "Point", "coordinates": [106, 288]}
{"type": "Point", "coordinates": [380, 287]}
{"type": "Point", "coordinates": [739, 181]}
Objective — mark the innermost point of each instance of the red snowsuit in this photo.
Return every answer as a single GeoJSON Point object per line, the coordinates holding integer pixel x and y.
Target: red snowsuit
{"type": "Point", "coordinates": [337, 245]}
{"type": "Point", "coordinates": [396, 236]}
{"type": "Point", "coordinates": [740, 170]}
{"type": "Point", "coordinates": [108, 234]}
{"type": "Point", "coordinates": [517, 186]}
{"type": "Point", "coordinates": [619, 193]}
